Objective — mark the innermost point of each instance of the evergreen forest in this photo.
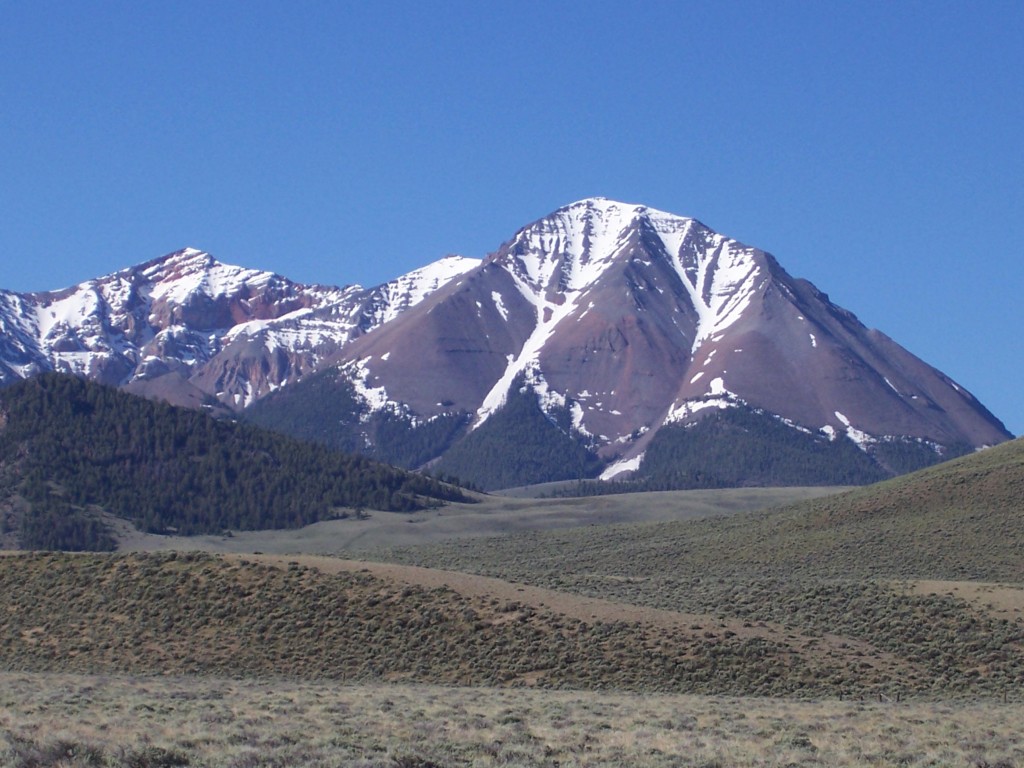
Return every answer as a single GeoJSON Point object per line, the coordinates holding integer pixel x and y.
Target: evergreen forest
{"type": "Point", "coordinates": [742, 447]}
{"type": "Point", "coordinates": [520, 445]}
{"type": "Point", "coordinates": [70, 448]}
{"type": "Point", "coordinates": [337, 420]}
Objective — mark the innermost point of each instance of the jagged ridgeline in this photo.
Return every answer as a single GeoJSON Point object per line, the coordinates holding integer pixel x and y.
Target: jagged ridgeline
{"type": "Point", "coordinates": [71, 448]}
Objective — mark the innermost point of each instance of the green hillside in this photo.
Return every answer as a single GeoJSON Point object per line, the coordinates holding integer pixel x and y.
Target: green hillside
{"type": "Point", "coordinates": [963, 519]}
{"type": "Point", "coordinates": [836, 565]}
{"type": "Point", "coordinates": [70, 449]}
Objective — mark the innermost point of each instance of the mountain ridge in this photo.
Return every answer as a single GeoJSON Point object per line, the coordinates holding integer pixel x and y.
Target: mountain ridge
{"type": "Point", "coordinates": [230, 334]}
{"type": "Point", "coordinates": [624, 317]}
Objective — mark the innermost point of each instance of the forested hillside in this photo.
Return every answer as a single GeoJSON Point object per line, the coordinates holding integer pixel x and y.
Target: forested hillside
{"type": "Point", "coordinates": [519, 445]}
{"type": "Point", "coordinates": [738, 446]}
{"type": "Point", "coordinates": [325, 410]}
{"type": "Point", "coordinates": [69, 448]}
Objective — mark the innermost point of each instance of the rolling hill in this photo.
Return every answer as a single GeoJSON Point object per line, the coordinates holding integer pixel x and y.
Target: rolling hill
{"type": "Point", "coordinates": [834, 596]}
{"type": "Point", "coordinates": [963, 519]}
{"type": "Point", "coordinates": [891, 564]}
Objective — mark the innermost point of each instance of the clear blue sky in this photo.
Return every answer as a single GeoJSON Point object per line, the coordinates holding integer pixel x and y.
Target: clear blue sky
{"type": "Point", "coordinates": [876, 148]}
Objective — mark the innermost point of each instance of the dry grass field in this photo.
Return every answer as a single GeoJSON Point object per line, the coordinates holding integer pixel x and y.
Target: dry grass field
{"type": "Point", "coordinates": [880, 627]}
{"type": "Point", "coordinates": [146, 722]}
{"type": "Point", "coordinates": [927, 569]}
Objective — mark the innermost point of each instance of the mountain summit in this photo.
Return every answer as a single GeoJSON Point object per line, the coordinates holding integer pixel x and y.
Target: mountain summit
{"type": "Point", "coordinates": [614, 324]}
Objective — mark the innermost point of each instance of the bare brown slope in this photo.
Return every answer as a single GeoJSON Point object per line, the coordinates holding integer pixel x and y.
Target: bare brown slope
{"type": "Point", "coordinates": [446, 353]}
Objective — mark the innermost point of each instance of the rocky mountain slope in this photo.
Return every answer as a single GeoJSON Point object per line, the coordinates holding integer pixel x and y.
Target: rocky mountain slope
{"type": "Point", "coordinates": [615, 323]}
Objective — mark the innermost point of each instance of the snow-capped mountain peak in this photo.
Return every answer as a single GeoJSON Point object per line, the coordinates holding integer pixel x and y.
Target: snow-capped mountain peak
{"type": "Point", "coordinates": [582, 255]}
{"type": "Point", "coordinates": [190, 272]}
{"type": "Point", "coordinates": [569, 249]}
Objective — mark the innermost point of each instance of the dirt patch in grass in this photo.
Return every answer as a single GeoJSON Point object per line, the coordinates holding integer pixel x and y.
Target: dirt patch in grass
{"type": "Point", "coordinates": [1001, 600]}
{"type": "Point", "coordinates": [565, 603]}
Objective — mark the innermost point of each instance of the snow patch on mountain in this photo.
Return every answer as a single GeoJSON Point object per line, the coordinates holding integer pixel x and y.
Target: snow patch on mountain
{"type": "Point", "coordinates": [861, 438]}
{"type": "Point", "coordinates": [717, 397]}
{"type": "Point", "coordinates": [548, 315]}
{"type": "Point", "coordinates": [621, 467]}
{"type": "Point", "coordinates": [375, 398]}
{"type": "Point", "coordinates": [499, 305]}
{"type": "Point", "coordinates": [721, 276]}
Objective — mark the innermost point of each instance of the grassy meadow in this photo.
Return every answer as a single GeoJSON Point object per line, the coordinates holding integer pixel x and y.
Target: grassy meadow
{"type": "Point", "coordinates": [490, 515]}
{"type": "Point", "coordinates": [89, 720]}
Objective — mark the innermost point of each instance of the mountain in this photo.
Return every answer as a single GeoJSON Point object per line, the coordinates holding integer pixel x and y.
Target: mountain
{"type": "Point", "coordinates": [623, 320]}
{"type": "Point", "coordinates": [632, 338]}
{"type": "Point", "coordinates": [191, 330]}
{"type": "Point", "coordinates": [72, 450]}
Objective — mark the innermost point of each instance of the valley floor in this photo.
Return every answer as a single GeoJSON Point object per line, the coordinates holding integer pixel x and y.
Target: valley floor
{"type": "Point", "coordinates": [79, 720]}
{"type": "Point", "coordinates": [491, 515]}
